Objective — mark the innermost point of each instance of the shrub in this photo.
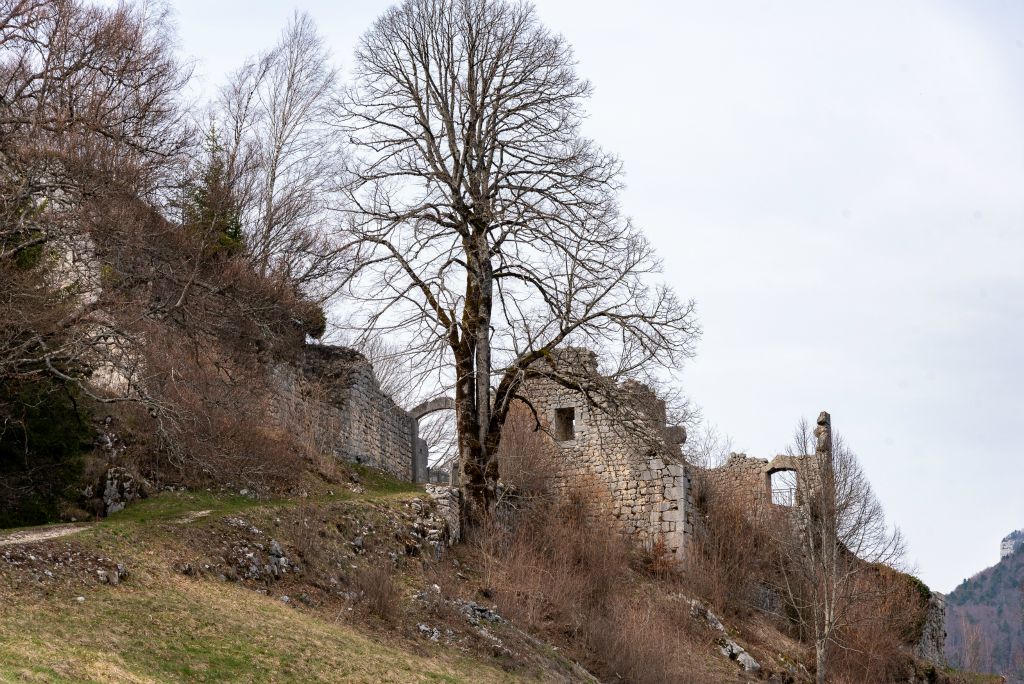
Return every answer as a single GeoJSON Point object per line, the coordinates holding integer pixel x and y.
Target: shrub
{"type": "Point", "coordinates": [44, 433]}
{"type": "Point", "coordinates": [376, 590]}
{"type": "Point", "coordinates": [554, 565]}
{"type": "Point", "coordinates": [726, 562]}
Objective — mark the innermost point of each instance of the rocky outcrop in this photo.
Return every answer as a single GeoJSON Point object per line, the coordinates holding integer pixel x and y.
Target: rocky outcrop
{"type": "Point", "coordinates": [931, 647]}
{"type": "Point", "coordinates": [727, 646]}
{"type": "Point", "coordinates": [1010, 543]}
{"type": "Point", "coordinates": [446, 502]}
{"type": "Point", "coordinates": [120, 488]}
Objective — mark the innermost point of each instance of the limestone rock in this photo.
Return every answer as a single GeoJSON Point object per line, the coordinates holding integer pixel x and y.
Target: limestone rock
{"type": "Point", "coordinates": [120, 488]}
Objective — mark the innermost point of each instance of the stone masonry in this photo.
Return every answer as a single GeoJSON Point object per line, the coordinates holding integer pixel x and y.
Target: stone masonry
{"type": "Point", "coordinates": [626, 453]}
{"type": "Point", "coordinates": [750, 479]}
{"type": "Point", "coordinates": [333, 391]}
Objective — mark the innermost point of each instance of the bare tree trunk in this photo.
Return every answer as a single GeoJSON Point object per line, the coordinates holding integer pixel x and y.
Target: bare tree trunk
{"type": "Point", "coordinates": [820, 646]}
{"type": "Point", "coordinates": [480, 472]}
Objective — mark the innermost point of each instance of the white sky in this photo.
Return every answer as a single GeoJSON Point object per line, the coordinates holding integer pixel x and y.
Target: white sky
{"type": "Point", "coordinates": [840, 186]}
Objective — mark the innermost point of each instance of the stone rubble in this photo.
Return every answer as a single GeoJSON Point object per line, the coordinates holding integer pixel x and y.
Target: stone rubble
{"type": "Point", "coordinates": [726, 645]}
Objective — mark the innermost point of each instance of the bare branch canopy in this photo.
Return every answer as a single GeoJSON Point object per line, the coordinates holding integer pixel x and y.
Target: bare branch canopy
{"type": "Point", "coordinates": [482, 225]}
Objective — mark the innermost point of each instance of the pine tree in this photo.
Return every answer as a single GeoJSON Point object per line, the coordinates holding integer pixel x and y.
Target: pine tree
{"type": "Point", "coordinates": [211, 208]}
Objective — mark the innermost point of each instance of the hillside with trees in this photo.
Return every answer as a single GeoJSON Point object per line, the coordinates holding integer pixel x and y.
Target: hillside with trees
{"type": "Point", "coordinates": [167, 272]}
{"type": "Point", "coordinates": [985, 620]}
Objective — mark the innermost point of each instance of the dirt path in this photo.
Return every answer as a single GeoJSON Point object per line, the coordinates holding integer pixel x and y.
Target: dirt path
{"type": "Point", "coordinates": [190, 517]}
{"type": "Point", "coordinates": [38, 535]}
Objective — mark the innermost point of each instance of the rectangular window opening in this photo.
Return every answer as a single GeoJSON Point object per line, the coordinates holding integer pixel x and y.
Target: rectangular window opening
{"type": "Point", "coordinates": [565, 424]}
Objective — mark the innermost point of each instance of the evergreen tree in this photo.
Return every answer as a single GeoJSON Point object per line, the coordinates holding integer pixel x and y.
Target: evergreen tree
{"type": "Point", "coordinates": [211, 207]}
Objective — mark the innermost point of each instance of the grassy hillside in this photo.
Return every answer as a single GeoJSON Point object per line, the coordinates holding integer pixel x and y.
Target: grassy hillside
{"type": "Point", "coordinates": [344, 582]}
{"type": "Point", "coordinates": [175, 616]}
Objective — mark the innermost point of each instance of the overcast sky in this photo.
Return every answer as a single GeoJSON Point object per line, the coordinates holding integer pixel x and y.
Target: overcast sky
{"type": "Point", "coordinates": [840, 186]}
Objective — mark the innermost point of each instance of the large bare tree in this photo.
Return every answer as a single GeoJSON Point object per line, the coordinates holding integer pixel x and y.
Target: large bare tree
{"type": "Point", "coordinates": [485, 230]}
{"type": "Point", "coordinates": [281, 159]}
{"type": "Point", "coordinates": [834, 542]}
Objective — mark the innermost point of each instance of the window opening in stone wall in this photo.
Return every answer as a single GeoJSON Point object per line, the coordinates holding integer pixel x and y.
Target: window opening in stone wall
{"type": "Point", "coordinates": [783, 484]}
{"type": "Point", "coordinates": [565, 424]}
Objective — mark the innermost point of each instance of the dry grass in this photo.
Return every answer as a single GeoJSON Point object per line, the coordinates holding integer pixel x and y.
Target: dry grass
{"type": "Point", "coordinates": [729, 555]}
{"type": "Point", "coordinates": [554, 570]}
{"type": "Point", "coordinates": [377, 592]}
{"type": "Point", "coordinates": [555, 567]}
{"type": "Point", "coordinates": [161, 625]}
{"type": "Point", "coordinates": [170, 629]}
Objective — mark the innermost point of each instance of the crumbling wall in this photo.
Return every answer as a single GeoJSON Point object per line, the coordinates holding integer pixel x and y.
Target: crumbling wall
{"type": "Point", "coordinates": [748, 480]}
{"type": "Point", "coordinates": [333, 393]}
{"type": "Point", "coordinates": [740, 477]}
{"type": "Point", "coordinates": [624, 452]}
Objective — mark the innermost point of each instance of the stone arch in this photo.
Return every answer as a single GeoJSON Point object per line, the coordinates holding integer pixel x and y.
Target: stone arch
{"type": "Point", "coordinates": [442, 403]}
{"type": "Point", "coordinates": [421, 458]}
{"type": "Point", "coordinates": [782, 486]}
{"type": "Point", "coordinates": [782, 476]}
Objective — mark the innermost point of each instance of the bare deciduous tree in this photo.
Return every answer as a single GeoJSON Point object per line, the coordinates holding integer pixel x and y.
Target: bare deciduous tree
{"type": "Point", "coordinates": [88, 111]}
{"type": "Point", "coordinates": [282, 158]}
{"type": "Point", "coordinates": [484, 226]}
{"type": "Point", "coordinates": [836, 534]}
{"type": "Point", "coordinates": [706, 446]}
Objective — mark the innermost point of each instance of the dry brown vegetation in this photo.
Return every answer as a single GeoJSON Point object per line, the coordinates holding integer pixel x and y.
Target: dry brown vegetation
{"type": "Point", "coordinates": [728, 558]}
{"type": "Point", "coordinates": [556, 568]}
{"type": "Point", "coordinates": [733, 563]}
{"type": "Point", "coordinates": [124, 287]}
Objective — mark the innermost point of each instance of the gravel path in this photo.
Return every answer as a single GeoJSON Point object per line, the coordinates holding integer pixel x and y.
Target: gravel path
{"type": "Point", "coordinates": [38, 535]}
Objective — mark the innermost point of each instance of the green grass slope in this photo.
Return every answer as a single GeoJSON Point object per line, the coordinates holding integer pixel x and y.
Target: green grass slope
{"type": "Point", "coordinates": [60, 623]}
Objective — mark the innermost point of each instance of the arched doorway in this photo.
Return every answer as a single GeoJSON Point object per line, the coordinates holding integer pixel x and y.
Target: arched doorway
{"type": "Point", "coordinates": [442, 473]}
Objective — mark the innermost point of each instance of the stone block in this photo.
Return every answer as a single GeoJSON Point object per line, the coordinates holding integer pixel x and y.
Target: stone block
{"type": "Point", "coordinates": [674, 516]}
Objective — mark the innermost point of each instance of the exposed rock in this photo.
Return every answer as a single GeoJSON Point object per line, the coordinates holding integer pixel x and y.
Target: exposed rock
{"type": "Point", "coordinates": [447, 522]}
{"type": "Point", "coordinates": [734, 651]}
{"type": "Point", "coordinates": [432, 633]}
{"type": "Point", "coordinates": [112, 577]}
{"type": "Point", "coordinates": [120, 488]}
{"type": "Point", "coordinates": [474, 612]}
{"type": "Point", "coordinates": [932, 645]}
{"type": "Point", "coordinates": [728, 647]}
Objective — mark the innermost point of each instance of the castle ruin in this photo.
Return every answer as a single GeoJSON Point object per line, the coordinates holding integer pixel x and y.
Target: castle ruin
{"type": "Point", "coordinates": [618, 440]}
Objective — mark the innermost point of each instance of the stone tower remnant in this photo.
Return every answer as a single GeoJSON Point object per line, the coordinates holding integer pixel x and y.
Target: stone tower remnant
{"type": "Point", "coordinates": [613, 437]}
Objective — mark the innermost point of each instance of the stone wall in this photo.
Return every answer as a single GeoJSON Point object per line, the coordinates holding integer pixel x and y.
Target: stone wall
{"type": "Point", "coordinates": [740, 477]}
{"type": "Point", "coordinates": [749, 479]}
{"type": "Point", "coordinates": [333, 394]}
{"type": "Point", "coordinates": [622, 454]}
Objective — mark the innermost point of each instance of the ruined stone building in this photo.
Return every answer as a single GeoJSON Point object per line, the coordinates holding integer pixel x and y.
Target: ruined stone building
{"type": "Point", "coordinates": [758, 481]}
{"type": "Point", "coordinates": [624, 452]}
{"type": "Point", "coordinates": [617, 443]}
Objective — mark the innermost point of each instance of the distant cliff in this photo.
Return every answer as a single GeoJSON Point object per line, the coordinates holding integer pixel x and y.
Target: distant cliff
{"type": "Point", "coordinates": [1011, 543]}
